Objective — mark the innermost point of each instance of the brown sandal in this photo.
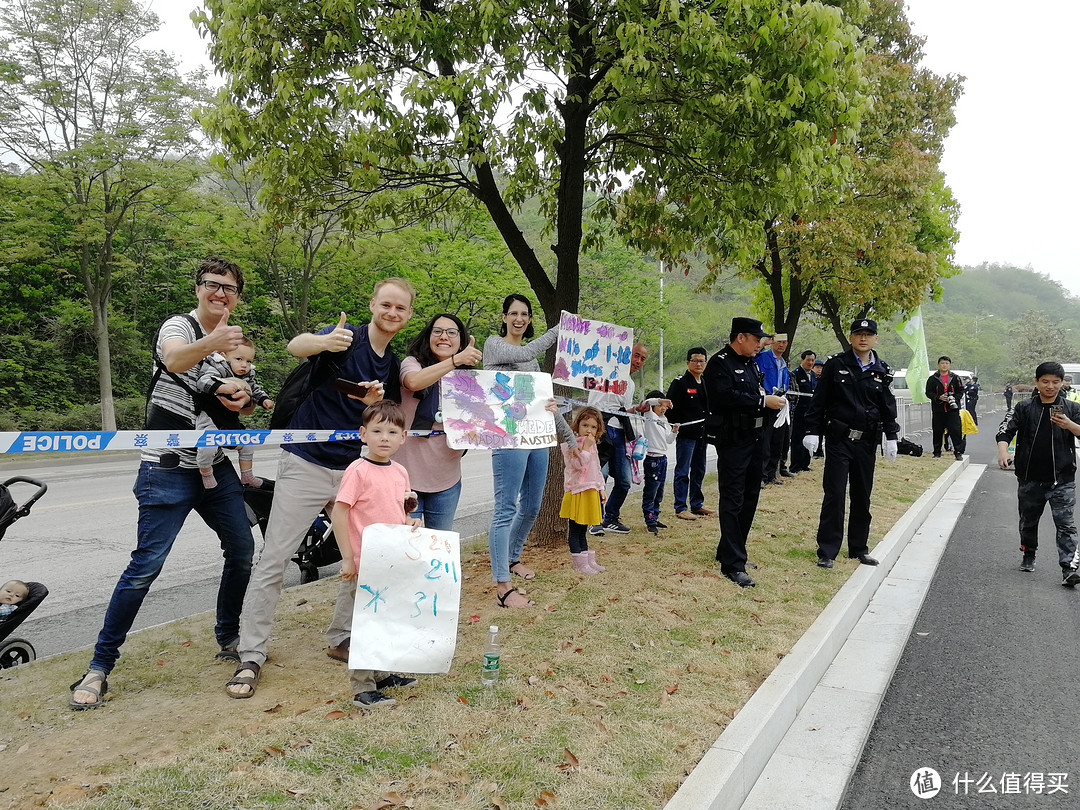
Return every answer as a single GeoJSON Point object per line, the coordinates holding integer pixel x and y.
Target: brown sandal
{"type": "Point", "coordinates": [244, 680]}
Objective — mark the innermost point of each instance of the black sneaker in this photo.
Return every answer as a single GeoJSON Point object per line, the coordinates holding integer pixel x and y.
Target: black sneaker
{"type": "Point", "coordinates": [372, 700]}
{"type": "Point", "coordinates": [596, 531]}
{"type": "Point", "coordinates": [660, 525]}
{"type": "Point", "coordinates": [958, 456]}
{"type": "Point", "coordinates": [615, 527]}
{"type": "Point", "coordinates": [652, 529]}
{"type": "Point", "coordinates": [824, 562]}
{"type": "Point", "coordinates": [787, 474]}
{"type": "Point", "coordinates": [1027, 565]}
{"type": "Point", "coordinates": [228, 652]}
{"type": "Point", "coordinates": [1070, 577]}
{"type": "Point", "coordinates": [394, 681]}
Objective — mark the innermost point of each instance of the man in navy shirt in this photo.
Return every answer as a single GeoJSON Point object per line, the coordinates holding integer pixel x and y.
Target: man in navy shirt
{"type": "Point", "coordinates": [309, 474]}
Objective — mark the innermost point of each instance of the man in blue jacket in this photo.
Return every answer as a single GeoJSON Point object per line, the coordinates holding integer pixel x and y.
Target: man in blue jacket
{"type": "Point", "coordinates": [775, 438]}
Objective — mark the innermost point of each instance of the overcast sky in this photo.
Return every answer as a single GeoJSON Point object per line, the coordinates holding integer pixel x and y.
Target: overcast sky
{"type": "Point", "coordinates": [1011, 160]}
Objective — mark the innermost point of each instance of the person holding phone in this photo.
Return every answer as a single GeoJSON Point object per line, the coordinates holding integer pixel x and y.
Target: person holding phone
{"type": "Point", "coordinates": [1045, 428]}
{"type": "Point", "coordinates": [309, 475]}
{"type": "Point", "coordinates": [169, 486]}
{"type": "Point", "coordinates": [434, 467]}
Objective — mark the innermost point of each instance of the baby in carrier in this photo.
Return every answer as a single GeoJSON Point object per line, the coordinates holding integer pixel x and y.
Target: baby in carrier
{"type": "Point", "coordinates": [11, 594]}
{"type": "Point", "coordinates": [236, 367]}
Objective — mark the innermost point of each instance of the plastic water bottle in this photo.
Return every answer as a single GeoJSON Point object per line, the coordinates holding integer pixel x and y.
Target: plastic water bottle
{"type": "Point", "coordinates": [489, 670]}
{"type": "Point", "coordinates": [641, 444]}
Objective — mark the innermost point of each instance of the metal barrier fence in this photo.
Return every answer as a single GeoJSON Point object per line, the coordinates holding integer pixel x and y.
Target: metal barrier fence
{"type": "Point", "coordinates": [915, 418]}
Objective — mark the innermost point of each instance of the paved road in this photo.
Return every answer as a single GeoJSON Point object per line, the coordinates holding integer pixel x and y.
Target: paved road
{"type": "Point", "coordinates": [986, 683]}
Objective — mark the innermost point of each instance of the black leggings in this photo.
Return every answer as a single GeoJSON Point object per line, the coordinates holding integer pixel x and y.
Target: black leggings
{"type": "Point", "coordinates": [577, 537]}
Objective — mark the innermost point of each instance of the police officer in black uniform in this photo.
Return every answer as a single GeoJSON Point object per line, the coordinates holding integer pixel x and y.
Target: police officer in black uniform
{"type": "Point", "coordinates": [737, 411]}
{"type": "Point", "coordinates": [803, 380]}
{"type": "Point", "coordinates": [852, 407]}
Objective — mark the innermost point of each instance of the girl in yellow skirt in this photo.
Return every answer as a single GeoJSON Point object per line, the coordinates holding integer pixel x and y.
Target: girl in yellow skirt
{"type": "Point", "coordinates": [584, 485]}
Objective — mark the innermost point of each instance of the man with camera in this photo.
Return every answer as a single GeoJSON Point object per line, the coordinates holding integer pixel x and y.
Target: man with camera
{"type": "Point", "coordinates": [854, 409]}
{"type": "Point", "coordinates": [945, 390]}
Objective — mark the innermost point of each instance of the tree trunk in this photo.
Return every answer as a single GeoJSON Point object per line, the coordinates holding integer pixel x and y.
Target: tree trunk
{"type": "Point", "coordinates": [105, 386]}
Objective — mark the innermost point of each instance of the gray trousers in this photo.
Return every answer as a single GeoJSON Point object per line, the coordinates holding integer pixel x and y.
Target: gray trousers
{"type": "Point", "coordinates": [301, 491]}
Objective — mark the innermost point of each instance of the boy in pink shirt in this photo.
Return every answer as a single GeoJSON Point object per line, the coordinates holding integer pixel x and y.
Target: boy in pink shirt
{"type": "Point", "coordinates": [374, 489]}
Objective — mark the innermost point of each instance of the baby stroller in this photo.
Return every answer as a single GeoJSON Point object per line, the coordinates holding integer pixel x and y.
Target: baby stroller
{"type": "Point", "coordinates": [319, 546]}
{"type": "Point", "coordinates": [15, 651]}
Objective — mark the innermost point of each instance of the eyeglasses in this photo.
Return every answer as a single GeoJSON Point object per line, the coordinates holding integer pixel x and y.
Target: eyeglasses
{"type": "Point", "coordinates": [213, 287]}
{"type": "Point", "coordinates": [438, 331]}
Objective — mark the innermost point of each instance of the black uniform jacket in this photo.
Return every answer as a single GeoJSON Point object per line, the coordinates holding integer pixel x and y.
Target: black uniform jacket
{"type": "Point", "coordinates": [1023, 422]}
{"type": "Point", "coordinates": [736, 398]}
{"type": "Point", "coordinates": [847, 397]}
{"type": "Point", "coordinates": [689, 403]}
{"type": "Point", "coordinates": [805, 382]}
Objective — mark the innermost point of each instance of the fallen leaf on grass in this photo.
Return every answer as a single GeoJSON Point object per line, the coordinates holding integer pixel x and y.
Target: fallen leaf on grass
{"type": "Point", "coordinates": [337, 714]}
{"type": "Point", "coordinates": [671, 690]}
{"type": "Point", "coordinates": [545, 799]}
{"type": "Point", "coordinates": [462, 699]}
{"type": "Point", "coordinates": [274, 751]}
{"type": "Point", "coordinates": [498, 803]}
{"type": "Point", "coordinates": [569, 760]}
{"type": "Point", "coordinates": [711, 575]}
{"type": "Point", "coordinates": [474, 619]}
{"type": "Point", "coordinates": [533, 680]}
{"type": "Point", "coordinates": [160, 663]}
{"type": "Point", "coordinates": [298, 791]}
{"type": "Point", "coordinates": [606, 677]}
{"type": "Point", "coordinates": [185, 643]}
{"type": "Point", "coordinates": [524, 702]}
{"type": "Point", "coordinates": [598, 704]}
{"type": "Point", "coordinates": [272, 709]}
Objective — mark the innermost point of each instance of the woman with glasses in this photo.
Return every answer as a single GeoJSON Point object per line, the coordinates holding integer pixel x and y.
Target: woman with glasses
{"type": "Point", "coordinates": [434, 468]}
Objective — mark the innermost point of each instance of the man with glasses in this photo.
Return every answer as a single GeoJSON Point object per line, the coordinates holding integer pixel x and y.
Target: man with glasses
{"type": "Point", "coordinates": [169, 486]}
{"type": "Point", "coordinates": [689, 403]}
{"type": "Point", "coordinates": [309, 474]}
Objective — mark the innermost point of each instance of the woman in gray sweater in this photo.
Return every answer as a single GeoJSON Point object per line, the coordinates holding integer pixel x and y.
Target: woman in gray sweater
{"type": "Point", "coordinates": [519, 474]}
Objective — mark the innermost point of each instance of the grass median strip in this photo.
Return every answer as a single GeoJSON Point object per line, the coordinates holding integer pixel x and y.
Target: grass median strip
{"type": "Point", "coordinates": [612, 687]}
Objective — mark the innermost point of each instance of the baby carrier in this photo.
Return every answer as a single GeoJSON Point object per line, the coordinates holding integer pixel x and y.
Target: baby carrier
{"type": "Point", "coordinates": [319, 546]}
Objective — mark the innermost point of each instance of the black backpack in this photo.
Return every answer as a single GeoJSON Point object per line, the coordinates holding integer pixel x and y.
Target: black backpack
{"type": "Point", "coordinates": [308, 375]}
{"type": "Point", "coordinates": [907, 447]}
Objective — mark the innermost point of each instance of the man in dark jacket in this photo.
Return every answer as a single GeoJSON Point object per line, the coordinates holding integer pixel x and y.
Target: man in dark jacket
{"type": "Point", "coordinates": [688, 406]}
{"type": "Point", "coordinates": [852, 407]}
{"type": "Point", "coordinates": [1045, 428]}
{"type": "Point", "coordinates": [945, 390]}
{"type": "Point", "coordinates": [971, 398]}
{"type": "Point", "coordinates": [738, 408]}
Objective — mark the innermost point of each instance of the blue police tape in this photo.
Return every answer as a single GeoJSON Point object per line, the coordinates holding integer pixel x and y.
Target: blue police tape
{"type": "Point", "coordinates": [97, 440]}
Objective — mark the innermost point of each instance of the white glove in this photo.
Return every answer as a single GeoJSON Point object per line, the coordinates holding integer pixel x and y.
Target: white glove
{"type": "Point", "coordinates": [888, 447]}
{"type": "Point", "coordinates": [812, 443]}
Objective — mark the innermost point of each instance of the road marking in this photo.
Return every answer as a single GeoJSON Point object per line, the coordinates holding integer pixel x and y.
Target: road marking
{"type": "Point", "coordinates": [81, 503]}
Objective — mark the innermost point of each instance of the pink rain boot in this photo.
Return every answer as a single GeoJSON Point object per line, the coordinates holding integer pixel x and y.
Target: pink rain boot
{"type": "Point", "coordinates": [597, 567]}
{"type": "Point", "coordinates": [581, 563]}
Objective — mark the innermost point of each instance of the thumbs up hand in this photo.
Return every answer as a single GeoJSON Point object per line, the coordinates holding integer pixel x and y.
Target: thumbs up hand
{"type": "Point", "coordinates": [226, 338]}
{"type": "Point", "coordinates": [340, 338]}
{"type": "Point", "coordinates": [469, 356]}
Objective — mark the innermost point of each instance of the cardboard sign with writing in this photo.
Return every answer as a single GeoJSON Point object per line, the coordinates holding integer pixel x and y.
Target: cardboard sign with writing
{"type": "Point", "coordinates": [497, 409]}
{"type": "Point", "coordinates": [408, 596]}
{"type": "Point", "coordinates": [593, 355]}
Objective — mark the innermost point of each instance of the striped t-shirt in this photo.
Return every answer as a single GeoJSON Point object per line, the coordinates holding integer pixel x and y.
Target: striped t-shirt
{"type": "Point", "coordinates": [169, 396]}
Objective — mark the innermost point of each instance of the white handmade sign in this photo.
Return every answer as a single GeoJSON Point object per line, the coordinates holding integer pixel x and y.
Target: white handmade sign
{"type": "Point", "coordinates": [497, 409]}
{"type": "Point", "coordinates": [408, 595]}
{"type": "Point", "coordinates": [593, 355]}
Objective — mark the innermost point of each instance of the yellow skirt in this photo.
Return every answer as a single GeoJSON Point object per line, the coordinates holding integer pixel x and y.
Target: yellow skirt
{"type": "Point", "coordinates": [583, 507]}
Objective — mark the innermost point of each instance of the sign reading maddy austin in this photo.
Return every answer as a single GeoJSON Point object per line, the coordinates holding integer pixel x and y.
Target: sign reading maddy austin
{"type": "Point", "coordinates": [408, 595]}
{"type": "Point", "coordinates": [593, 355]}
{"type": "Point", "coordinates": [497, 409]}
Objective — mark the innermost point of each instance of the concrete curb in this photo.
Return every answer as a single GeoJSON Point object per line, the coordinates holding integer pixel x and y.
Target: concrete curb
{"type": "Point", "coordinates": [728, 771]}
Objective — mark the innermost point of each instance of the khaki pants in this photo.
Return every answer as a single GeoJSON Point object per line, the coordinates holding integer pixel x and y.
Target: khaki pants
{"type": "Point", "coordinates": [302, 489]}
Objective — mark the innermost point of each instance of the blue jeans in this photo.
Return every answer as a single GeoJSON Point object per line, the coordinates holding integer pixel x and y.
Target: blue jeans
{"type": "Point", "coordinates": [689, 473]}
{"type": "Point", "coordinates": [166, 496]}
{"type": "Point", "coordinates": [619, 469]}
{"type": "Point", "coordinates": [437, 508]}
{"type": "Point", "coordinates": [653, 494]}
{"type": "Point", "coordinates": [519, 477]}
